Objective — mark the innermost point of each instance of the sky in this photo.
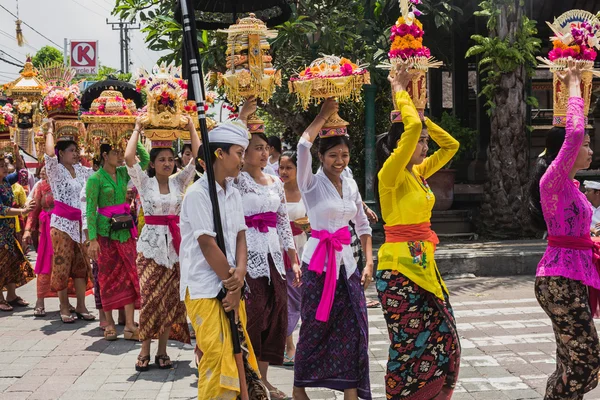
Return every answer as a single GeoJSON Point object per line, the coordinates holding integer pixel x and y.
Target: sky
{"type": "Point", "coordinates": [71, 19]}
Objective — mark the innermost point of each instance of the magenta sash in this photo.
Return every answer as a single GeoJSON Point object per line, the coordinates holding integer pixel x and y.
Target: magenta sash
{"type": "Point", "coordinates": [66, 211]}
{"type": "Point", "coordinates": [295, 230]}
{"type": "Point", "coordinates": [124, 208]}
{"type": "Point", "coordinates": [262, 222]}
{"type": "Point", "coordinates": [329, 245]}
{"type": "Point", "coordinates": [43, 264]}
{"type": "Point", "coordinates": [172, 221]}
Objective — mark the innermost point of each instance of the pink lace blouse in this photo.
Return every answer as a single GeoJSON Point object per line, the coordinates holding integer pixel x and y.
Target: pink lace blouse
{"type": "Point", "coordinates": [566, 209]}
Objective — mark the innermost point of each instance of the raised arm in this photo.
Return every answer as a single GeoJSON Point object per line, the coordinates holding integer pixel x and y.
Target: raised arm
{"type": "Point", "coordinates": [132, 144]}
{"type": "Point", "coordinates": [390, 174]}
{"type": "Point", "coordinates": [330, 106]}
{"type": "Point", "coordinates": [448, 148]}
{"type": "Point", "coordinates": [557, 174]}
{"type": "Point", "coordinates": [193, 136]}
{"type": "Point", "coordinates": [50, 139]}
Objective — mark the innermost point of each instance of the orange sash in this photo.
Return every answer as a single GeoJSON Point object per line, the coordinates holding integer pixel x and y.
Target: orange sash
{"type": "Point", "coordinates": [410, 233]}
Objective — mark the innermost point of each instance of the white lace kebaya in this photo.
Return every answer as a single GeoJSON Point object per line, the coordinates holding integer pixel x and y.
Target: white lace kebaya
{"type": "Point", "coordinates": [66, 189]}
{"type": "Point", "coordinates": [260, 199]}
{"type": "Point", "coordinates": [155, 241]}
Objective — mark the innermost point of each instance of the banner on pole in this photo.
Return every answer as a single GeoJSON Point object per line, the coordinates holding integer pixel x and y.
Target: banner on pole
{"type": "Point", "coordinates": [84, 56]}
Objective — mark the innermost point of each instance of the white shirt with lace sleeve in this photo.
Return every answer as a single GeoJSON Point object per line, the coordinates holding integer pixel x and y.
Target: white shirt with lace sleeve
{"type": "Point", "coordinates": [258, 199]}
{"type": "Point", "coordinates": [155, 241]}
{"type": "Point", "coordinates": [66, 189]}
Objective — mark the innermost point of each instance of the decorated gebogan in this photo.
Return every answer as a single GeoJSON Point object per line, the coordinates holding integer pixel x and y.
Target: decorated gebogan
{"type": "Point", "coordinates": [407, 50]}
{"type": "Point", "coordinates": [191, 108]}
{"type": "Point", "coordinates": [6, 122]}
{"type": "Point", "coordinates": [329, 76]}
{"type": "Point", "coordinates": [250, 70]}
{"type": "Point", "coordinates": [61, 102]}
{"type": "Point", "coordinates": [576, 38]}
{"type": "Point", "coordinates": [110, 120]}
{"type": "Point", "coordinates": [28, 121]}
{"type": "Point", "coordinates": [166, 92]}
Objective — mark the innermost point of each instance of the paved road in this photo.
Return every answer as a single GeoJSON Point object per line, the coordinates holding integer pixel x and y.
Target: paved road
{"type": "Point", "coordinates": [508, 352]}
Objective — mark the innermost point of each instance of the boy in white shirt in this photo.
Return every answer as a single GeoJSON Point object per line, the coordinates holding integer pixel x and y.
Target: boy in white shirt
{"type": "Point", "coordinates": [205, 270]}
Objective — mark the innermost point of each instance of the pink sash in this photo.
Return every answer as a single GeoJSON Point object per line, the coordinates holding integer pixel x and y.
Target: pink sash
{"type": "Point", "coordinates": [43, 264]}
{"type": "Point", "coordinates": [124, 208]}
{"type": "Point", "coordinates": [172, 221]}
{"type": "Point", "coordinates": [262, 222]}
{"type": "Point", "coordinates": [66, 211]}
{"type": "Point", "coordinates": [329, 245]}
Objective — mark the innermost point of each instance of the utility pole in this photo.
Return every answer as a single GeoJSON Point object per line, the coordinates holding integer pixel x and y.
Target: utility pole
{"type": "Point", "coordinates": [123, 28]}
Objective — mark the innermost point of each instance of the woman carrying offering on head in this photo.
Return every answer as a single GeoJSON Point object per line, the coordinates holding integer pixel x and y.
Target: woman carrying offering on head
{"type": "Point", "coordinates": [332, 347]}
{"type": "Point", "coordinates": [163, 314]}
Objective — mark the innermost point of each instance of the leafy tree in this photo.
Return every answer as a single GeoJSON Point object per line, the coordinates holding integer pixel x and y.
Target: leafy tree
{"type": "Point", "coordinates": [47, 55]}
{"type": "Point", "coordinates": [355, 29]}
{"type": "Point", "coordinates": [507, 58]}
{"type": "Point", "coordinates": [105, 71]}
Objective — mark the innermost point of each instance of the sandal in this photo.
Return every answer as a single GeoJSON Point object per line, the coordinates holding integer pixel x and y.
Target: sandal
{"type": "Point", "coordinates": [129, 335]}
{"type": "Point", "coordinates": [145, 361]}
{"type": "Point", "coordinates": [167, 364]}
{"type": "Point", "coordinates": [18, 302]}
{"type": "Point", "coordinates": [4, 306]}
{"type": "Point", "coordinates": [276, 394]}
{"type": "Point", "coordinates": [39, 312]}
{"type": "Point", "coordinates": [288, 361]}
{"type": "Point", "coordinates": [85, 316]}
{"type": "Point", "coordinates": [110, 334]}
{"type": "Point", "coordinates": [67, 319]}
{"type": "Point", "coordinates": [373, 304]}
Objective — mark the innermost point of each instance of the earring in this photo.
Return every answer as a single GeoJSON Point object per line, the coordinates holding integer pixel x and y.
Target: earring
{"type": "Point", "coordinates": [217, 154]}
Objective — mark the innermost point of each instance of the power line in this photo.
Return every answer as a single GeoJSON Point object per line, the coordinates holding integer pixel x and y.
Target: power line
{"type": "Point", "coordinates": [8, 35]}
{"type": "Point", "coordinates": [3, 53]}
{"type": "Point", "coordinates": [87, 8]}
{"type": "Point", "coordinates": [12, 63]}
{"type": "Point", "coordinates": [31, 27]}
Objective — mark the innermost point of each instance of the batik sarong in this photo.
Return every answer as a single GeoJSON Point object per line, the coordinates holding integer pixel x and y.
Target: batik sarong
{"type": "Point", "coordinates": [333, 354]}
{"type": "Point", "coordinates": [424, 354]}
{"type": "Point", "coordinates": [117, 274]}
{"type": "Point", "coordinates": [69, 261]}
{"type": "Point", "coordinates": [14, 267]}
{"type": "Point", "coordinates": [577, 348]}
{"type": "Point", "coordinates": [268, 315]}
{"type": "Point", "coordinates": [161, 307]}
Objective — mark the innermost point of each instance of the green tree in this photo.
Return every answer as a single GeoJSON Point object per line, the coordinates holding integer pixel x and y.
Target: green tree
{"type": "Point", "coordinates": [355, 29]}
{"type": "Point", "coordinates": [47, 55]}
{"type": "Point", "coordinates": [507, 59]}
{"type": "Point", "coordinates": [105, 71]}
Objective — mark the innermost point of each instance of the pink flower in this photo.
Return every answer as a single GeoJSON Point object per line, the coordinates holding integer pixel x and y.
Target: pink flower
{"type": "Point", "coordinates": [404, 30]}
{"type": "Point", "coordinates": [346, 69]}
{"type": "Point", "coordinates": [589, 54]}
{"type": "Point", "coordinates": [417, 12]}
{"type": "Point", "coordinates": [554, 54]}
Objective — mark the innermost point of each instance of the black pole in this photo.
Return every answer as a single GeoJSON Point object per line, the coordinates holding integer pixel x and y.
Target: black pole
{"type": "Point", "coordinates": [196, 85]}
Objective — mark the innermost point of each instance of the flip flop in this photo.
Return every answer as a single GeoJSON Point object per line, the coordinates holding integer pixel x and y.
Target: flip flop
{"type": "Point", "coordinates": [288, 361]}
{"type": "Point", "coordinates": [167, 364]}
{"type": "Point", "coordinates": [145, 360]}
{"type": "Point", "coordinates": [373, 304]}
{"type": "Point", "coordinates": [85, 316]}
{"type": "Point", "coordinates": [110, 334]}
{"type": "Point", "coordinates": [18, 302]}
{"type": "Point", "coordinates": [39, 312]}
{"type": "Point", "coordinates": [7, 307]}
{"type": "Point", "coordinates": [67, 319]}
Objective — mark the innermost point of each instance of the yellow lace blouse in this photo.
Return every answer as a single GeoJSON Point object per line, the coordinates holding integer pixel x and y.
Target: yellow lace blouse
{"type": "Point", "coordinates": [406, 199]}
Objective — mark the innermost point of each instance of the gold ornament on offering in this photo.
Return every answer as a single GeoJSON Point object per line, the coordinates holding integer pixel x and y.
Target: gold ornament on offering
{"type": "Point", "coordinates": [577, 37]}
{"type": "Point", "coordinates": [28, 85]}
{"type": "Point", "coordinates": [329, 76]}
{"type": "Point", "coordinates": [250, 70]}
{"type": "Point", "coordinates": [165, 90]}
{"type": "Point", "coordinates": [110, 120]}
{"type": "Point", "coordinates": [407, 51]}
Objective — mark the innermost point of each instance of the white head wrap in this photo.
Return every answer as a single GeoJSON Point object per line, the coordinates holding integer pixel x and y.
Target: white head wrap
{"type": "Point", "coordinates": [591, 185]}
{"type": "Point", "coordinates": [231, 133]}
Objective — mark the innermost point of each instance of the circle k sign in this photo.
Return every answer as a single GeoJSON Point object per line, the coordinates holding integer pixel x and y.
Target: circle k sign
{"type": "Point", "coordinates": [84, 56]}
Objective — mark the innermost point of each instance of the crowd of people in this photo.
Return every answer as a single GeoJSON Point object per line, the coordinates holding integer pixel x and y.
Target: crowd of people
{"type": "Point", "coordinates": [290, 253]}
